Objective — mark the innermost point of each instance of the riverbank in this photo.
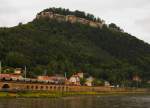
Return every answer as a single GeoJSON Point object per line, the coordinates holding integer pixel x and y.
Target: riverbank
{"type": "Point", "coordinates": [41, 94]}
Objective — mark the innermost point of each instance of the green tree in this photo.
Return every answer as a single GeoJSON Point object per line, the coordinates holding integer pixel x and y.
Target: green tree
{"type": "Point", "coordinates": [82, 81]}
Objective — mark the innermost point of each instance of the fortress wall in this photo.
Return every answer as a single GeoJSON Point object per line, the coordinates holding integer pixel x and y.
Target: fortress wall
{"type": "Point", "coordinates": [69, 18]}
{"type": "Point", "coordinates": [45, 15]}
{"type": "Point", "coordinates": [59, 17]}
{"type": "Point", "coordinates": [82, 21]}
{"type": "Point", "coordinates": [93, 24]}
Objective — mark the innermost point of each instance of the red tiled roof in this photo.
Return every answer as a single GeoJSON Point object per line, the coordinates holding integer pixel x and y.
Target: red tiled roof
{"type": "Point", "coordinates": [43, 77]}
{"type": "Point", "coordinates": [4, 75]}
{"type": "Point", "coordinates": [9, 76]}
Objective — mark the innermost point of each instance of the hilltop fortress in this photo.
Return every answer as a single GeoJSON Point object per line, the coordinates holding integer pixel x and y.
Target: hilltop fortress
{"type": "Point", "coordinates": [70, 18]}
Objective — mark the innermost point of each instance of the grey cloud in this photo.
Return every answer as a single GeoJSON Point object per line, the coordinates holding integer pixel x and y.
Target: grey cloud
{"type": "Point", "coordinates": [130, 3]}
{"type": "Point", "coordinates": [8, 10]}
{"type": "Point", "coordinates": [144, 24]}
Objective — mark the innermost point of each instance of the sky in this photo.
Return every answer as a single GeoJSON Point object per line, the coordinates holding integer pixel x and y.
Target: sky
{"type": "Point", "coordinates": [131, 15]}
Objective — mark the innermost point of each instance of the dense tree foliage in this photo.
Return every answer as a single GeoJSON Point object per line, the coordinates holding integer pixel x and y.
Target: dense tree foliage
{"type": "Point", "coordinates": [115, 27]}
{"type": "Point", "coordinates": [61, 47]}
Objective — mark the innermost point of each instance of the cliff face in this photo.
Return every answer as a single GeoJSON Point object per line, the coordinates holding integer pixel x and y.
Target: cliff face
{"type": "Point", "coordinates": [70, 18]}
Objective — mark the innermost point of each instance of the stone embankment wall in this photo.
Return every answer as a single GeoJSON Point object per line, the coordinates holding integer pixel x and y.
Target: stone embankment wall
{"type": "Point", "coordinates": [47, 87]}
{"type": "Point", "coordinates": [106, 89]}
{"type": "Point", "coordinates": [70, 18]}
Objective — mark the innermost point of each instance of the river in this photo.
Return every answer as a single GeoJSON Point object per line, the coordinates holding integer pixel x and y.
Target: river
{"type": "Point", "coordinates": [132, 101]}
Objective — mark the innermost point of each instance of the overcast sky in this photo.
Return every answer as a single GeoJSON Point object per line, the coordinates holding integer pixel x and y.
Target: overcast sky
{"type": "Point", "coordinates": [131, 15]}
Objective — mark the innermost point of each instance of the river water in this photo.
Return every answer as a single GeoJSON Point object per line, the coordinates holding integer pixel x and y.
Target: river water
{"type": "Point", "coordinates": [134, 101]}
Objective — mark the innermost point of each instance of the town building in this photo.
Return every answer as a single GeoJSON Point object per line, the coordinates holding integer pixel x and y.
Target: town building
{"type": "Point", "coordinates": [18, 71]}
{"type": "Point", "coordinates": [80, 74]}
{"type": "Point", "coordinates": [106, 84]}
{"type": "Point", "coordinates": [56, 79]}
{"type": "Point", "coordinates": [137, 78]}
{"type": "Point", "coordinates": [74, 80]}
{"type": "Point", "coordinates": [13, 77]}
{"type": "Point", "coordinates": [44, 78]}
{"type": "Point", "coordinates": [89, 81]}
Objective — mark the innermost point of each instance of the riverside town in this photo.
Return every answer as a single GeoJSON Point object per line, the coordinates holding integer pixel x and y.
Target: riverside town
{"type": "Point", "coordinates": [15, 79]}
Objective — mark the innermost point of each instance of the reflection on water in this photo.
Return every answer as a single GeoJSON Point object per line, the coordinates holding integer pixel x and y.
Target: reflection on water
{"type": "Point", "coordinates": [79, 102]}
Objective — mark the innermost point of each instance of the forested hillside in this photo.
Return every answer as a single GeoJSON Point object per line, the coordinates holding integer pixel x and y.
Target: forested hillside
{"type": "Point", "coordinates": [59, 47]}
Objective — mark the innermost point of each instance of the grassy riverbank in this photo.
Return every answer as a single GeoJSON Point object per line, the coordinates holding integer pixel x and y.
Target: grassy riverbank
{"type": "Point", "coordinates": [58, 94]}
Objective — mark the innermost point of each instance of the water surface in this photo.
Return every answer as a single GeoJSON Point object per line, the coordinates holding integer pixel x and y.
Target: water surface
{"type": "Point", "coordinates": [134, 101]}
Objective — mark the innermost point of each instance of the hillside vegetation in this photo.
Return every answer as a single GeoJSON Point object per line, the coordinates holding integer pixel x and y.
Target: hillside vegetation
{"type": "Point", "coordinates": [59, 47]}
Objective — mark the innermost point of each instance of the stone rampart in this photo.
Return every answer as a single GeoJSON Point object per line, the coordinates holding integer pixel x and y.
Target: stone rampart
{"type": "Point", "coordinates": [70, 18]}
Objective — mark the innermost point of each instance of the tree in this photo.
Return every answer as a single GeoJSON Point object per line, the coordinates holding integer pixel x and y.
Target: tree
{"type": "Point", "coordinates": [82, 81]}
{"type": "Point", "coordinates": [97, 82]}
{"type": "Point", "coordinates": [17, 59]}
{"type": "Point", "coordinates": [115, 27]}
